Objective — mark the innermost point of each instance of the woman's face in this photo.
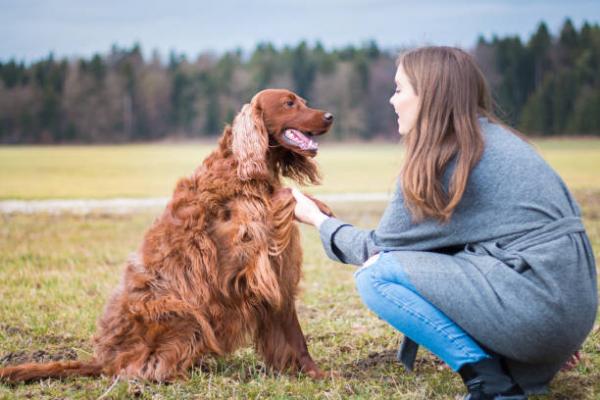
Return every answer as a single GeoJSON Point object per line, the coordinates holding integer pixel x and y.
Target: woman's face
{"type": "Point", "coordinates": [405, 102]}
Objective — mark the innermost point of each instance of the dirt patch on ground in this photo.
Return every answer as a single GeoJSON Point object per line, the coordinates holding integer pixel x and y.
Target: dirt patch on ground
{"type": "Point", "coordinates": [60, 347]}
{"type": "Point", "coordinates": [39, 356]}
{"type": "Point", "coordinates": [375, 358]}
{"type": "Point", "coordinates": [423, 361]}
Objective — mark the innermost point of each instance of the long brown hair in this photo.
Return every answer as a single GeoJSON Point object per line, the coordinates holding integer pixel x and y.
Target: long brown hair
{"type": "Point", "coordinates": [453, 93]}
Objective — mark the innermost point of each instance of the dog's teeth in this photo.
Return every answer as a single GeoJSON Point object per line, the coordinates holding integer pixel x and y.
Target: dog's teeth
{"type": "Point", "coordinates": [302, 141]}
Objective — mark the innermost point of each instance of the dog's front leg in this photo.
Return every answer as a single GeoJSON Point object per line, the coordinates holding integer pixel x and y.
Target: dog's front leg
{"type": "Point", "coordinates": [297, 341]}
{"type": "Point", "coordinates": [282, 345]}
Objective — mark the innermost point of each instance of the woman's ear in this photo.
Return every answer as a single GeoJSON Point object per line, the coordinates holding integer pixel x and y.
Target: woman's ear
{"type": "Point", "coordinates": [249, 144]}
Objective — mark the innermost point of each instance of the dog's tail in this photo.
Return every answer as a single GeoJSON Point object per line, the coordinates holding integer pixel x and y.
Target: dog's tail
{"type": "Point", "coordinates": [60, 369]}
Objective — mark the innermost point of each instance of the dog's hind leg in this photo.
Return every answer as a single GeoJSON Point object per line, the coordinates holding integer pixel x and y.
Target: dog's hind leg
{"type": "Point", "coordinates": [167, 354]}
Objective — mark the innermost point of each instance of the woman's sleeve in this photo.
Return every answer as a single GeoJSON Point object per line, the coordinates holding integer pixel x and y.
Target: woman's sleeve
{"type": "Point", "coordinates": [345, 243]}
{"type": "Point", "coordinates": [350, 245]}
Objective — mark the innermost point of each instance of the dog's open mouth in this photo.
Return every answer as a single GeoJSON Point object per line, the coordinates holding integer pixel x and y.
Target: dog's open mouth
{"type": "Point", "coordinates": [302, 140]}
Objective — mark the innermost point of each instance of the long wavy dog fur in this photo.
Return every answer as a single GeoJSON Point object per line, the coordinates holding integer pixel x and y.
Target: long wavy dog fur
{"type": "Point", "coordinates": [220, 267]}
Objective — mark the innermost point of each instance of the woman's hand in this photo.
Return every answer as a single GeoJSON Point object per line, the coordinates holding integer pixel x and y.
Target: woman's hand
{"type": "Point", "coordinates": [307, 211]}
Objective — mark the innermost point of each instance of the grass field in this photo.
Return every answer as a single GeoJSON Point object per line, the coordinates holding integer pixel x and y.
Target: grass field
{"type": "Point", "coordinates": [56, 272]}
{"type": "Point", "coordinates": [152, 170]}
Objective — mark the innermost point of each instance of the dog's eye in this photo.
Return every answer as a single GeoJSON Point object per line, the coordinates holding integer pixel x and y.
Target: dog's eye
{"type": "Point", "coordinates": [289, 103]}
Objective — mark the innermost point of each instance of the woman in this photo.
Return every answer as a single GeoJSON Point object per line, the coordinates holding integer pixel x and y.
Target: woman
{"type": "Point", "coordinates": [481, 255]}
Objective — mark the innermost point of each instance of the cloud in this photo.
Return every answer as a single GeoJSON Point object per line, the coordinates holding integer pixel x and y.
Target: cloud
{"type": "Point", "coordinates": [69, 27]}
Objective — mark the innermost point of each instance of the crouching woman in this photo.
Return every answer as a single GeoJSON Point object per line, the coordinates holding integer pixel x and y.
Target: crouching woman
{"type": "Point", "coordinates": [481, 255]}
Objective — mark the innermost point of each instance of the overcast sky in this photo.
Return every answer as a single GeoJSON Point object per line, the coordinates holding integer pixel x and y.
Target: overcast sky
{"type": "Point", "coordinates": [31, 29]}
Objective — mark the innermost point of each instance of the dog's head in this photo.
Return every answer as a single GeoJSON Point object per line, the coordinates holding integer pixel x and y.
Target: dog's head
{"type": "Point", "coordinates": [276, 119]}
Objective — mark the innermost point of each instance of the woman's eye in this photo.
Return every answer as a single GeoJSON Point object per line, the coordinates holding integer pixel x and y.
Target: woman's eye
{"type": "Point", "coordinates": [397, 91]}
{"type": "Point", "coordinates": [289, 103]}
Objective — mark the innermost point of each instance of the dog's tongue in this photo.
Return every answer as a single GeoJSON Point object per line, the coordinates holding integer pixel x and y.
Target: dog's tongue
{"type": "Point", "coordinates": [300, 140]}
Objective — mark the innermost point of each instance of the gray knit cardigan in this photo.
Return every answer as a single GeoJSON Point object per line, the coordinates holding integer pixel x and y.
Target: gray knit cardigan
{"type": "Point", "coordinates": [513, 267]}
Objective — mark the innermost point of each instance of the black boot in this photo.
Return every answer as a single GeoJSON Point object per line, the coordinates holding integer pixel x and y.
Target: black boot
{"type": "Point", "coordinates": [487, 380]}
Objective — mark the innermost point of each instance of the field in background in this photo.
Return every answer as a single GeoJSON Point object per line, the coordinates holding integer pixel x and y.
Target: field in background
{"type": "Point", "coordinates": [151, 170]}
{"type": "Point", "coordinates": [56, 272]}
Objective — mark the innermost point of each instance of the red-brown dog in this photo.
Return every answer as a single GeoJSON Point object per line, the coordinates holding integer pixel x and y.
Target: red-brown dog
{"type": "Point", "coordinates": [220, 267]}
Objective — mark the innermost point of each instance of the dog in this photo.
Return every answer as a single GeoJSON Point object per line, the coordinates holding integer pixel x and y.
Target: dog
{"type": "Point", "coordinates": [220, 267]}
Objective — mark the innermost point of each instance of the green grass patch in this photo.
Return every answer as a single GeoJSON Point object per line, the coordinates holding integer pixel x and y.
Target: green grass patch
{"type": "Point", "coordinates": [57, 272]}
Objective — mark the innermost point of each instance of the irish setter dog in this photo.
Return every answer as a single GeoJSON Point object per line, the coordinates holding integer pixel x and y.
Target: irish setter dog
{"type": "Point", "coordinates": [220, 267]}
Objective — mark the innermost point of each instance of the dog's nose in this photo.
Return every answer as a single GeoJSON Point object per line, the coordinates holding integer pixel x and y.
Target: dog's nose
{"type": "Point", "coordinates": [328, 117]}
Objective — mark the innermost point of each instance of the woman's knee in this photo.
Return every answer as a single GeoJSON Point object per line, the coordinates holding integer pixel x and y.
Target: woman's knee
{"type": "Point", "coordinates": [369, 281]}
{"type": "Point", "coordinates": [365, 284]}
{"type": "Point", "coordinates": [388, 269]}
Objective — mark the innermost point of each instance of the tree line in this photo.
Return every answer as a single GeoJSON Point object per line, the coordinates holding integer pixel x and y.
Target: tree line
{"type": "Point", "coordinates": [548, 85]}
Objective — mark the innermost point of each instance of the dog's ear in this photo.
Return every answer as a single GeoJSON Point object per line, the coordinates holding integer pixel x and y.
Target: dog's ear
{"type": "Point", "coordinates": [250, 142]}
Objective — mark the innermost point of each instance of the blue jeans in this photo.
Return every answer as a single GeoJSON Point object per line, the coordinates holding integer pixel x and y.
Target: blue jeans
{"type": "Point", "coordinates": [386, 290]}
